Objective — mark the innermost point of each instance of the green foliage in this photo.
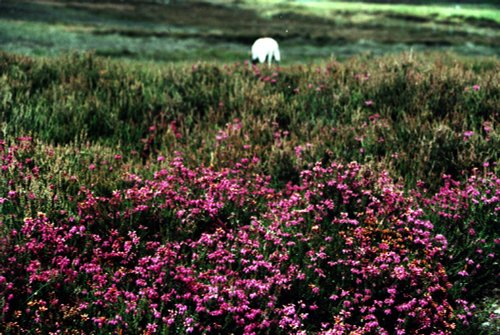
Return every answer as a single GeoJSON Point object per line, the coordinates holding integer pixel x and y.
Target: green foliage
{"type": "Point", "coordinates": [418, 118]}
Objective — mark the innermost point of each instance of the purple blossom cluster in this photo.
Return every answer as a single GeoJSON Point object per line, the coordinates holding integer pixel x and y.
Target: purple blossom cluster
{"type": "Point", "coordinates": [211, 251]}
{"type": "Point", "coordinates": [468, 214]}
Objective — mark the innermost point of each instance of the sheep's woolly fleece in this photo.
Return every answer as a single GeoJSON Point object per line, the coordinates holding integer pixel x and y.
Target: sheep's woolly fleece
{"type": "Point", "coordinates": [265, 48]}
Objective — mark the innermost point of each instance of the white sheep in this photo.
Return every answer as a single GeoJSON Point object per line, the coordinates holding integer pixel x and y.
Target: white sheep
{"type": "Point", "coordinates": [265, 48]}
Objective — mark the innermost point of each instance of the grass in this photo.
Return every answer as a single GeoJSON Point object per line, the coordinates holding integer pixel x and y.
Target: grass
{"type": "Point", "coordinates": [417, 105]}
{"type": "Point", "coordinates": [437, 10]}
{"type": "Point", "coordinates": [214, 31]}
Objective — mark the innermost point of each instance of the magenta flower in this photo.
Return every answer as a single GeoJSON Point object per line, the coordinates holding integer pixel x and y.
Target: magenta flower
{"type": "Point", "coordinates": [298, 151]}
{"type": "Point", "coordinates": [151, 328]}
{"type": "Point", "coordinates": [467, 134]}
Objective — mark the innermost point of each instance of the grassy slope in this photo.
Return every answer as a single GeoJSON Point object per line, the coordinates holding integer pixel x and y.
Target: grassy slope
{"type": "Point", "coordinates": [433, 9]}
{"type": "Point", "coordinates": [419, 105]}
{"type": "Point", "coordinates": [215, 31]}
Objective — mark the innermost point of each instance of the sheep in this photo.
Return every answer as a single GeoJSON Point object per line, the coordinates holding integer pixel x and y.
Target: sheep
{"type": "Point", "coordinates": [265, 48]}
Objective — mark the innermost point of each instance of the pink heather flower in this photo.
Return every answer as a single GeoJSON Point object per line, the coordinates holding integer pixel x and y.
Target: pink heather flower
{"type": "Point", "coordinates": [487, 126]}
{"type": "Point", "coordinates": [368, 102]}
{"type": "Point", "coordinates": [468, 134]}
{"type": "Point", "coordinates": [373, 118]}
{"type": "Point", "coordinates": [25, 138]}
{"type": "Point", "coordinates": [140, 282]}
{"type": "Point", "coordinates": [118, 157]}
{"type": "Point", "coordinates": [391, 291]}
{"type": "Point", "coordinates": [151, 327]}
{"type": "Point", "coordinates": [92, 167]}
{"type": "Point", "coordinates": [476, 87]}
{"type": "Point", "coordinates": [289, 309]}
{"type": "Point", "coordinates": [298, 151]}
{"type": "Point", "coordinates": [400, 272]}
{"type": "Point", "coordinates": [160, 159]}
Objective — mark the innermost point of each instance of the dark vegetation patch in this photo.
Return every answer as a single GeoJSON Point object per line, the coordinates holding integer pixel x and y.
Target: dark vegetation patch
{"type": "Point", "coordinates": [193, 14]}
{"type": "Point", "coordinates": [406, 17]}
{"type": "Point", "coordinates": [480, 22]}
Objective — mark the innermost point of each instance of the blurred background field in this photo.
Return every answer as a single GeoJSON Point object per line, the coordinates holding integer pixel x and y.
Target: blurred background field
{"type": "Point", "coordinates": [224, 30]}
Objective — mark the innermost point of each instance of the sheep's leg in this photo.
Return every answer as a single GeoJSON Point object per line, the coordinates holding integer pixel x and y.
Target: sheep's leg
{"type": "Point", "coordinates": [277, 56]}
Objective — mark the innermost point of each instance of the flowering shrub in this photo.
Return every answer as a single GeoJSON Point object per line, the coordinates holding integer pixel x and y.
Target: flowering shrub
{"type": "Point", "coordinates": [467, 214]}
{"type": "Point", "coordinates": [204, 250]}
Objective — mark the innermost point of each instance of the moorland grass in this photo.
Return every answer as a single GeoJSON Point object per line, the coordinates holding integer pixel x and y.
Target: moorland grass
{"type": "Point", "coordinates": [481, 10]}
{"type": "Point", "coordinates": [211, 30]}
{"type": "Point", "coordinates": [419, 116]}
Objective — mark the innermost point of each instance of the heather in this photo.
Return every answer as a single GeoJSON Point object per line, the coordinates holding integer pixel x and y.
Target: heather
{"type": "Point", "coordinates": [209, 250]}
{"type": "Point", "coordinates": [417, 116]}
{"type": "Point", "coordinates": [356, 197]}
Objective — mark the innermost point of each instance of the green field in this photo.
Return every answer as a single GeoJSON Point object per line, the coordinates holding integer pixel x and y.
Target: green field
{"type": "Point", "coordinates": [223, 31]}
